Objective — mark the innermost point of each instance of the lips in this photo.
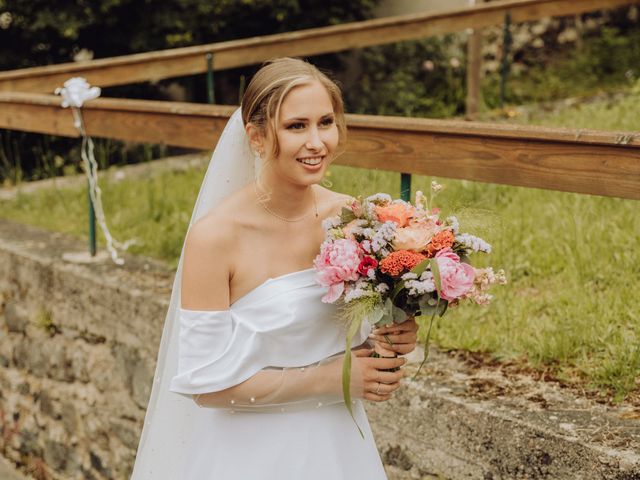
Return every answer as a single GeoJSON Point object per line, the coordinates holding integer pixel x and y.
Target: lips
{"type": "Point", "coordinates": [311, 161]}
{"type": "Point", "coordinates": [312, 164]}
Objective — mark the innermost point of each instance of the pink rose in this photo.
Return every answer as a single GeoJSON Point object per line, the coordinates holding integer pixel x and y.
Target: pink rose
{"type": "Point", "coordinates": [456, 278]}
{"type": "Point", "coordinates": [336, 263]}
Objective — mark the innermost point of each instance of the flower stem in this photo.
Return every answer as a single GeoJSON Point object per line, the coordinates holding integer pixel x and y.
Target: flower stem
{"type": "Point", "coordinates": [426, 342]}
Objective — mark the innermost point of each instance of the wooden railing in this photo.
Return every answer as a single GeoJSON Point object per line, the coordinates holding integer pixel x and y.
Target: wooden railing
{"type": "Point", "coordinates": [584, 161]}
{"type": "Point", "coordinates": [601, 163]}
{"type": "Point", "coordinates": [191, 60]}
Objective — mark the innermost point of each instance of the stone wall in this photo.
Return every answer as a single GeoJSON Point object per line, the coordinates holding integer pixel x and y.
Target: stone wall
{"type": "Point", "coordinates": [78, 346]}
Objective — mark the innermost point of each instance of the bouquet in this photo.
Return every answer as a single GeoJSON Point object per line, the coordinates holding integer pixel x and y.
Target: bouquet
{"type": "Point", "coordinates": [388, 260]}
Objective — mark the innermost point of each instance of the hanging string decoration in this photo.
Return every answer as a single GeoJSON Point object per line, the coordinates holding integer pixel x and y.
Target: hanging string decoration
{"type": "Point", "coordinates": [75, 92]}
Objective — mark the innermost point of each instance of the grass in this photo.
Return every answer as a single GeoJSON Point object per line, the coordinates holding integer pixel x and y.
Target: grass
{"type": "Point", "coordinates": [572, 260]}
{"type": "Point", "coordinates": [155, 211]}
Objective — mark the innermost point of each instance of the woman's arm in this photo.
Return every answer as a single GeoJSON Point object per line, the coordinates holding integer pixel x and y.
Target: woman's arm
{"type": "Point", "coordinates": [206, 330]}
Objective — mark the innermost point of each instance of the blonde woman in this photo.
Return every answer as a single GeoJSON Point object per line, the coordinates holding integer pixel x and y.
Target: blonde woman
{"type": "Point", "coordinates": [248, 384]}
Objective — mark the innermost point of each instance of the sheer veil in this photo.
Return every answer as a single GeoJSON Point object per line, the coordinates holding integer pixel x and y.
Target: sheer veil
{"type": "Point", "coordinates": [161, 451]}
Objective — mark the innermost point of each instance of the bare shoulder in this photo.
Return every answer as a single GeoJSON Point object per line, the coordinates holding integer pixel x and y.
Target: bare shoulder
{"type": "Point", "coordinates": [206, 264]}
{"type": "Point", "coordinates": [332, 202]}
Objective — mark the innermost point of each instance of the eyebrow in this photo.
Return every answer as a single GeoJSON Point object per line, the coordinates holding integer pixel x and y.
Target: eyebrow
{"type": "Point", "coordinates": [302, 119]}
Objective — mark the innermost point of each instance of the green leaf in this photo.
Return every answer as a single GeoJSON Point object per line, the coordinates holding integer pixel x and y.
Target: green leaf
{"type": "Point", "coordinates": [442, 306]}
{"type": "Point", "coordinates": [427, 304]}
{"type": "Point", "coordinates": [398, 314]}
{"type": "Point", "coordinates": [397, 289]}
{"type": "Point", "coordinates": [346, 369]}
{"type": "Point", "coordinates": [375, 316]}
{"type": "Point", "coordinates": [436, 275]}
{"type": "Point", "coordinates": [346, 215]}
{"type": "Point", "coordinates": [421, 267]}
{"type": "Point", "coordinates": [418, 270]}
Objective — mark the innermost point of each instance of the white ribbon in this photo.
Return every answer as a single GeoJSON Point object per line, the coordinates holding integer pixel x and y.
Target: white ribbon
{"type": "Point", "coordinates": [75, 92]}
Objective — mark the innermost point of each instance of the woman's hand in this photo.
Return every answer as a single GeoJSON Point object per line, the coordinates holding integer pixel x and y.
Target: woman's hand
{"type": "Point", "coordinates": [396, 338]}
{"type": "Point", "coordinates": [369, 376]}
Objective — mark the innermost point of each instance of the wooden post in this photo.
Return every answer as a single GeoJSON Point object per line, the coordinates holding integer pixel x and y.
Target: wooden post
{"type": "Point", "coordinates": [474, 69]}
{"type": "Point", "coordinates": [506, 51]}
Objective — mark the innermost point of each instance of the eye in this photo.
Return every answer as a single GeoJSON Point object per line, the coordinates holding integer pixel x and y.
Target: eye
{"type": "Point", "coordinates": [296, 126]}
{"type": "Point", "coordinates": [328, 121]}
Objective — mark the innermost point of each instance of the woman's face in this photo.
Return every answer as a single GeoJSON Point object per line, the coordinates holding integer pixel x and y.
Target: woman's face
{"type": "Point", "coordinates": [307, 134]}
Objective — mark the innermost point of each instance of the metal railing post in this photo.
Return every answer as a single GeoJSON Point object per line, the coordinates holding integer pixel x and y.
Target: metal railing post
{"type": "Point", "coordinates": [405, 186]}
{"type": "Point", "coordinates": [211, 98]}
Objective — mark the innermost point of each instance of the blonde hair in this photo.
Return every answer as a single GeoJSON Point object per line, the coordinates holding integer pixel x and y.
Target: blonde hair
{"type": "Point", "coordinates": [267, 89]}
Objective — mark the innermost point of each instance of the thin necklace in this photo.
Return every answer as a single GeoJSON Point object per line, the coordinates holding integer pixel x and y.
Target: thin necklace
{"type": "Point", "coordinates": [271, 212]}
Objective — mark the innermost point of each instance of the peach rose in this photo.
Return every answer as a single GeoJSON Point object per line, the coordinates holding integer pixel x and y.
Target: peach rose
{"type": "Point", "coordinates": [399, 213]}
{"type": "Point", "coordinates": [414, 238]}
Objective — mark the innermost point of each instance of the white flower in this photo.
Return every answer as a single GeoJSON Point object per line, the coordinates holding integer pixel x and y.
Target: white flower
{"type": "Point", "coordinates": [420, 287]}
{"type": "Point", "coordinates": [382, 287]}
{"type": "Point", "coordinates": [359, 290]}
{"type": "Point", "coordinates": [385, 234]}
{"type": "Point", "coordinates": [331, 222]}
{"type": "Point", "coordinates": [455, 225]}
{"type": "Point", "coordinates": [421, 200]}
{"type": "Point", "coordinates": [473, 243]}
{"type": "Point", "coordinates": [379, 199]}
{"type": "Point", "coordinates": [409, 276]}
{"type": "Point", "coordinates": [76, 91]}
{"type": "Point", "coordinates": [427, 275]}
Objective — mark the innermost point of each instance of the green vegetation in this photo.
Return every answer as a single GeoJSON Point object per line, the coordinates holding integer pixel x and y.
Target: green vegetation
{"type": "Point", "coordinates": [427, 78]}
{"type": "Point", "coordinates": [572, 260]}
{"type": "Point", "coordinates": [154, 211]}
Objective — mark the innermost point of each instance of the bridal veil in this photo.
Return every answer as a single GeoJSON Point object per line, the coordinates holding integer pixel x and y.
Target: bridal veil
{"type": "Point", "coordinates": [169, 415]}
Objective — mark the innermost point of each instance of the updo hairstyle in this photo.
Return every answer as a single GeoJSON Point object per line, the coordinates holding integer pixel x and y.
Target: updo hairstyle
{"type": "Point", "coordinates": [269, 86]}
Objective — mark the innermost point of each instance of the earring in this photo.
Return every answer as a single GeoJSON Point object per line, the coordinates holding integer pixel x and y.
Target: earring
{"type": "Point", "coordinates": [258, 156]}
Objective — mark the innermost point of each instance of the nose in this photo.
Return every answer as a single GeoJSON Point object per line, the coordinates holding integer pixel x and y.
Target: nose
{"type": "Point", "coordinates": [314, 142]}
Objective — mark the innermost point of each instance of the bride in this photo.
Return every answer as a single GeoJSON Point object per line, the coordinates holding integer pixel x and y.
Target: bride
{"type": "Point", "coordinates": [249, 377]}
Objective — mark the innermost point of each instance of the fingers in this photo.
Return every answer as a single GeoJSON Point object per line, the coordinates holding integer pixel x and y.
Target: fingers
{"type": "Point", "coordinates": [406, 326]}
{"type": "Point", "coordinates": [376, 397]}
{"type": "Point", "coordinates": [394, 349]}
{"type": "Point", "coordinates": [388, 377]}
{"type": "Point", "coordinates": [362, 352]}
{"type": "Point", "coordinates": [402, 348]}
{"type": "Point", "coordinates": [404, 337]}
{"type": "Point", "coordinates": [380, 391]}
{"type": "Point", "coordinates": [386, 363]}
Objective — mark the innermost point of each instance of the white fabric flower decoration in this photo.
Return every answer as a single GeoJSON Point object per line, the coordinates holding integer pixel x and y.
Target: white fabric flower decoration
{"type": "Point", "coordinates": [76, 91]}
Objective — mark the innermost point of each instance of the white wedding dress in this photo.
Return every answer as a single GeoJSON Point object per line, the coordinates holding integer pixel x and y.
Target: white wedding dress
{"type": "Point", "coordinates": [281, 324]}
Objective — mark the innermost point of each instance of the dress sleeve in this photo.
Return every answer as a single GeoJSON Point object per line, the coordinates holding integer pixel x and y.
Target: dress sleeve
{"type": "Point", "coordinates": [219, 364]}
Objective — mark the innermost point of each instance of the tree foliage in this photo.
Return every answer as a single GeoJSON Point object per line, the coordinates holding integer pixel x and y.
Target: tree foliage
{"type": "Point", "coordinates": [41, 32]}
